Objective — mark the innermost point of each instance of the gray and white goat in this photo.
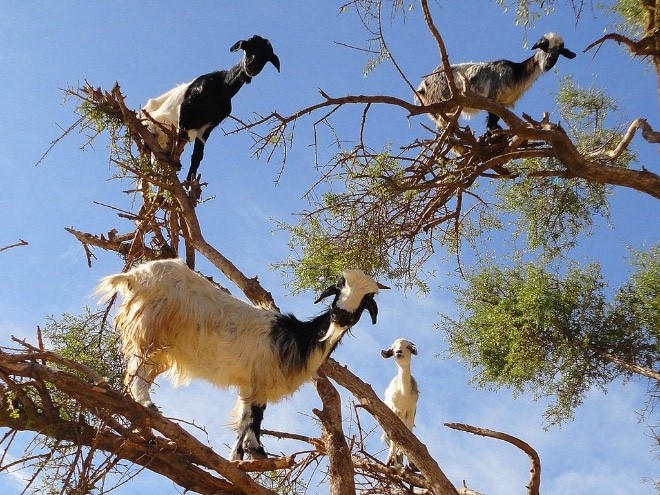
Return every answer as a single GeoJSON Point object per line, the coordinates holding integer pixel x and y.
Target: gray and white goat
{"type": "Point", "coordinates": [174, 320]}
{"type": "Point", "coordinates": [402, 393]}
{"type": "Point", "coordinates": [501, 80]}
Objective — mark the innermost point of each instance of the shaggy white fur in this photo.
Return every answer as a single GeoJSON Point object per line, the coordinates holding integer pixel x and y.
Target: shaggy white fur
{"type": "Point", "coordinates": [402, 394]}
{"type": "Point", "coordinates": [174, 320]}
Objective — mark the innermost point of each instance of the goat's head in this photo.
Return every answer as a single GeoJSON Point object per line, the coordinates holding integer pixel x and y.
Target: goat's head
{"type": "Point", "coordinates": [258, 51]}
{"type": "Point", "coordinates": [550, 46]}
{"type": "Point", "coordinates": [401, 349]}
{"type": "Point", "coordinates": [353, 293]}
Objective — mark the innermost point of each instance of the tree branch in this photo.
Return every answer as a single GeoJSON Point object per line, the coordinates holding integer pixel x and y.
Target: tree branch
{"type": "Point", "coordinates": [393, 426]}
{"type": "Point", "coordinates": [535, 469]}
{"type": "Point", "coordinates": [341, 470]}
{"type": "Point", "coordinates": [20, 242]}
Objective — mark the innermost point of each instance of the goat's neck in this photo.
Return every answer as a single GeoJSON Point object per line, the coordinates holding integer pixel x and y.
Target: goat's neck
{"type": "Point", "coordinates": [404, 376]}
{"type": "Point", "coordinates": [542, 62]}
{"type": "Point", "coordinates": [533, 67]}
{"type": "Point", "coordinates": [236, 77]}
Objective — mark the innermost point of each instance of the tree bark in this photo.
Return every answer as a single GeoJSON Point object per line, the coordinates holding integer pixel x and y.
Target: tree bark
{"type": "Point", "coordinates": [341, 470]}
{"type": "Point", "coordinates": [393, 426]}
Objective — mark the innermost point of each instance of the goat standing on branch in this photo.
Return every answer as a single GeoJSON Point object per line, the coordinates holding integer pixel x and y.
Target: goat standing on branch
{"type": "Point", "coordinates": [401, 394]}
{"type": "Point", "coordinates": [173, 319]}
{"type": "Point", "coordinates": [197, 107]}
{"type": "Point", "coordinates": [502, 80]}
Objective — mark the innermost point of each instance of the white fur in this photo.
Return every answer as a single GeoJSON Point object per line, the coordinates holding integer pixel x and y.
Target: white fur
{"type": "Point", "coordinates": [174, 320]}
{"type": "Point", "coordinates": [402, 394]}
{"type": "Point", "coordinates": [165, 109]}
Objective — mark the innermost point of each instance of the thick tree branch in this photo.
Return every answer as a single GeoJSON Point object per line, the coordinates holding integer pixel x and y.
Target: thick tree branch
{"type": "Point", "coordinates": [630, 367]}
{"type": "Point", "coordinates": [393, 426]}
{"type": "Point", "coordinates": [21, 371]}
{"type": "Point", "coordinates": [341, 470]}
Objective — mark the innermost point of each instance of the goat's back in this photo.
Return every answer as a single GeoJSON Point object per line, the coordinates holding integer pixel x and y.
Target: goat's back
{"type": "Point", "coordinates": [183, 323]}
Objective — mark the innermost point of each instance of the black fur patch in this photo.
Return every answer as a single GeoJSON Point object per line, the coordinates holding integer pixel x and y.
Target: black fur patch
{"type": "Point", "coordinates": [296, 340]}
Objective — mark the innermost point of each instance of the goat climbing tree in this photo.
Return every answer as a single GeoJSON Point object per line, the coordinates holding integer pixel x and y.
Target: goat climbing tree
{"type": "Point", "coordinates": [395, 208]}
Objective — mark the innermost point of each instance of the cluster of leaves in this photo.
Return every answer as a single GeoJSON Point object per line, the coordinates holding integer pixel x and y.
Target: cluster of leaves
{"type": "Point", "coordinates": [535, 331]}
{"type": "Point", "coordinates": [366, 224]}
{"type": "Point", "coordinates": [630, 15]}
{"type": "Point", "coordinates": [89, 340]}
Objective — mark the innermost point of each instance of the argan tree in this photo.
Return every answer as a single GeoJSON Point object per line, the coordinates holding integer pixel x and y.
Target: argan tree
{"type": "Point", "coordinates": [386, 208]}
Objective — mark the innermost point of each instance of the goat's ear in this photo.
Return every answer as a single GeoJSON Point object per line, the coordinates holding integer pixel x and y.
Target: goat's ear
{"type": "Point", "coordinates": [237, 46]}
{"type": "Point", "coordinates": [333, 290]}
{"type": "Point", "coordinates": [275, 61]}
{"type": "Point", "coordinates": [370, 304]}
{"type": "Point", "coordinates": [567, 53]}
{"type": "Point", "coordinates": [387, 353]}
{"type": "Point", "coordinates": [413, 348]}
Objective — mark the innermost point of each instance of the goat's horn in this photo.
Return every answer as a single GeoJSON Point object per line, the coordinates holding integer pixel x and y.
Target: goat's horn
{"type": "Point", "coordinates": [275, 61]}
{"type": "Point", "coordinates": [333, 290]}
{"type": "Point", "coordinates": [237, 46]}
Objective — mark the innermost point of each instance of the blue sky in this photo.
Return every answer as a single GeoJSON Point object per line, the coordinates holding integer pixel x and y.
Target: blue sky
{"type": "Point", "coordinates": [150, 46]}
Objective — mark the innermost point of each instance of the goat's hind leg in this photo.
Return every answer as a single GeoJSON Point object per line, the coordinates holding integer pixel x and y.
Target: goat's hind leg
{"type": "Point", "coordinates": [248, 431]}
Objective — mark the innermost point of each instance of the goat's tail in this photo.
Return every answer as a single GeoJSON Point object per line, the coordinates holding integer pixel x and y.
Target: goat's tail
{"type": "Point", "coordinates": [110, 285]}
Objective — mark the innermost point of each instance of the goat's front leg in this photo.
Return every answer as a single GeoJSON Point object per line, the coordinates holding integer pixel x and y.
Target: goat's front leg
{"type": "Point", "coordinates": [140, 374]}
{"type": "Point", "coordinates": [196, 158]}
{"type": "Point", "coordinates": [492, 122]}
{"type": "Point", "coordinates": [248, 431]}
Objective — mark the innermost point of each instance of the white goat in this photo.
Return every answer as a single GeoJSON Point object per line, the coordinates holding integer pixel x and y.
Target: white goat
{"type": "Point", "coordinates": [197, 107]}
{"type": "Point", "coordinates": [173, 319]}
{"type": "Point", "coordinates": [502, 80]}
{"type": "Point", "coordinates": [401, 394]}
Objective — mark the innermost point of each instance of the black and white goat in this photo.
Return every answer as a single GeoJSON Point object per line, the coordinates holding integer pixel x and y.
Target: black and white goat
{"type": "Point", "coordinates": [501, 80]}
{"type": "Point", "coordinates": [173, 319]}
{"type": "Point", "coordinates": [402, 394]}
{"type": "Point", "coordinates": [197, 107]}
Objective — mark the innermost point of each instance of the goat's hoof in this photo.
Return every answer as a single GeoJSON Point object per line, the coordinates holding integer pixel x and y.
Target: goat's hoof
{"type": "Point", "coordinates": [257, 454]}
{"type": "Point", "coordinates": [151, 406]}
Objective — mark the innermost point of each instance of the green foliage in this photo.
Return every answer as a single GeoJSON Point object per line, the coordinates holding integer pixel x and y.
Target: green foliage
{"type": "Point", "coordinates": [587, 112]}
{"type": "Point", "coordinates": [534, 331]}
{"type": "Point", "coordinates": [552, 211]}
{"type": "Point", "coordinates": [90, 340]}
{"type": "Point", "coordinates": [63, 466]}
{"type": "Point", "coordinates": [363, 226]}
{"type": "Point", "coordinates": [636, 311]}
{"type": "Point", "coordinates": [527, 11]}
{"type": "Point", "coordinates": [631, 17]}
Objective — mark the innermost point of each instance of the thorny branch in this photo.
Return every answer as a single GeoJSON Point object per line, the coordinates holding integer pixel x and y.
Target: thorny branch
{"type": "Point", "coordinates": [168, 210]}
{"type": "Point", "coordinates": [133, 433]}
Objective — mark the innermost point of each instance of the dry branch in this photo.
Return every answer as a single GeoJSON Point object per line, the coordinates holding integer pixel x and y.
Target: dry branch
{"type": "Point", "coordinates": [120, 419]}
{"type": "Point", "coordinates": [534, 470]}
{"type": "Point", "coordinates": [20, 242]}
{"type": "Point", "coordinates": [415, 450]}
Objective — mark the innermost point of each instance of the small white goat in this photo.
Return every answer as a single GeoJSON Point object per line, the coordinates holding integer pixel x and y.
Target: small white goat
{"type": "Point", "coordinates": [197, 107]}
{"type": "Point", "coordinates": [173, 319]}
{"type": "Point", "coordinates": [501, 80]}
{"type": "Point", "coordinates": [401, 394]}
